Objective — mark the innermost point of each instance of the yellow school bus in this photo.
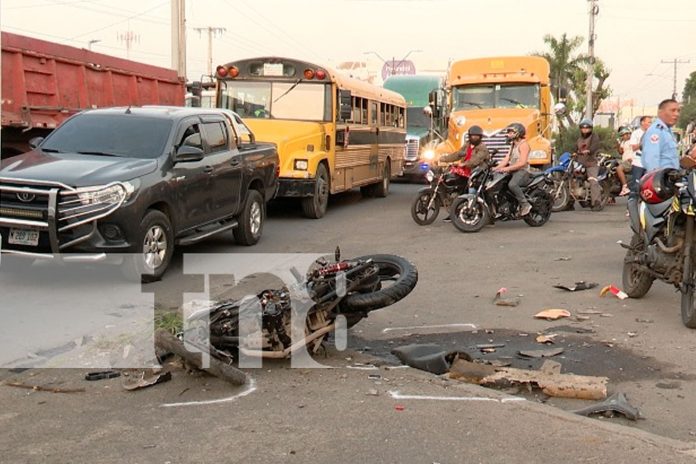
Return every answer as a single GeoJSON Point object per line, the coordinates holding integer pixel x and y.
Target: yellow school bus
{"type": "Point", "coordinates": [333, 132]}
{"type": "Point", "coordinates": [494, 92]}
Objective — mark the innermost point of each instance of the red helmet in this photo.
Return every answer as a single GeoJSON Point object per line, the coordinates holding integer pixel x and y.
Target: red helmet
{"type": "Point", "coordinates": [658, 185]}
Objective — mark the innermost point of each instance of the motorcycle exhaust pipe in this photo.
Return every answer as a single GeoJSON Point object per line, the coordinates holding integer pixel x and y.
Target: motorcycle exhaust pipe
{"type": "Point", "coordinates": [288, 351]}
{"type": "Point", "coordinates": [670, 250]}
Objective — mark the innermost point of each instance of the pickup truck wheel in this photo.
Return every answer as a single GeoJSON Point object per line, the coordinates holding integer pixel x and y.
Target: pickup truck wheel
{"type": "Point", "coordinates": [157, 242]}
{"type": "Point", "coordinates": [314, 207]}
{"type": "Point", "coordinates": [250, 227]}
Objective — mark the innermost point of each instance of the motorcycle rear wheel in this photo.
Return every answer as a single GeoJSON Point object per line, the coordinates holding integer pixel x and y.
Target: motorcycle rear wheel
{"type": "Point", "coordinates": [688, 309]}
{"type": "Point", "coordinates": [398, 271]}
{"type": "Point", "coordinates": [636, 283]}
{"type": "Point", "coordinates": [542, 205]}
{"type": "Point", "coordinates": [469, 219]}
{"type": "Point", "coordinates": [420, 212]}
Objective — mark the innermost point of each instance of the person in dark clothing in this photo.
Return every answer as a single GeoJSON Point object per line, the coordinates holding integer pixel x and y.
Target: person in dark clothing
{"type": "Point", "coordinates": [472, 154]}
{"type": "Point", "coordinates": [587, 147]}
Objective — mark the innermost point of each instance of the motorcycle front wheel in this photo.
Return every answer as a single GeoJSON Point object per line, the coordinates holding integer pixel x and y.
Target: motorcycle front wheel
{"type": "Point", "coordinates": [421, 213]}
{"type": "Point", "coordinates": [469, 218]}
{"type": "Point", "coordinates": [560, 194]}
{"type": "Point", "coordinates": [688, 309]}
{"type": "Point", "coordinates": [542, 205]}
{"type": "Point", "coordinates": [397, 277]}
{"type": "Point", "coordinates": [636, 283]}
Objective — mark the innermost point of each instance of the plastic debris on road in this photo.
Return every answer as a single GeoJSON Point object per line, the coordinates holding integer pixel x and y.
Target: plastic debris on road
{"type": "Point", "coordinates": [552, 314]}
{"type": "Point", "coordinates": [581, 285]}
{"type": "Point", "coordinates": [617, 292]}
{"type": "Point", "coordinates": [500, 300]}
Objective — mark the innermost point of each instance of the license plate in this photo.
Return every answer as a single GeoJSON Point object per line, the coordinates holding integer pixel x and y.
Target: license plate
{"type": "Point", "coordinates": [24, 237]}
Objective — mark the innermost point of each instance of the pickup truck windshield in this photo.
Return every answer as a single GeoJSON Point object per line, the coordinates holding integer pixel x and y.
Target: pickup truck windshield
{"type": "Point", "coordinates": [278, 100]}
{"type": "Point", "coordinates": [122, 135]}
{"type": "Point", "coordinates": [472, 97]}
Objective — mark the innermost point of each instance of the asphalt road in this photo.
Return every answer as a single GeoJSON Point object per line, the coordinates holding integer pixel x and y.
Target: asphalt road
{"type": "Point", "coordinates": [341, 415]}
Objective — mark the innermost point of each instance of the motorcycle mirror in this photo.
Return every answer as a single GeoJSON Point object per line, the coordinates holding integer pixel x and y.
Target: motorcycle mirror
{"type": "Point", "coordinates": [559, 109]}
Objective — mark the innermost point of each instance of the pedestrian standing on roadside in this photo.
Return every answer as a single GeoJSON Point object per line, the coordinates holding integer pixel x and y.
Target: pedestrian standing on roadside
{"type": "Point", "coordinates": [637, 169]}
{"type": "Point", "coordinates": [659, 147]}
{"type": "Point", "coordinates": [627, 155]}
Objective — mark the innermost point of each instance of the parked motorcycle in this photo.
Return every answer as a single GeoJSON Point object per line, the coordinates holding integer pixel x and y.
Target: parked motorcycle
{"type": "Point", "coordinates": [570, 183]}
{"type": "Point", "coordinates": [662, 246]}
{"type": "Point", "coordinates": [351, 288]}
{"type": "Point", "coordinates": [443, 189]}
{"type": "Point", "coordinates": [493, 200]}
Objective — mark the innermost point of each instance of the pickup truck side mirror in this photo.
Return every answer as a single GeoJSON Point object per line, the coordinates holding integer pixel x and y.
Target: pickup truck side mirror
{"type": "Point", "coordinates": [35, 141]}
{"type": "Point", "coordinates": [187, 154]}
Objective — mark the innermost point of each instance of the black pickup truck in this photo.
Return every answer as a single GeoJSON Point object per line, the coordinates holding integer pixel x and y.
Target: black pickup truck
{"type": "Point", "coordinates": [133, 182]}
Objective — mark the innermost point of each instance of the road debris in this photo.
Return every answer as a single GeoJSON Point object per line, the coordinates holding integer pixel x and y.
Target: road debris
{"type": "Point", "coordinates": [546, 339]}
{"type": "Point", "coordinates": [541, 353]}
{"type": "Point", "coordinates": [146, 379]}
{"type": "Point", "coordinates": [645, 321]}
{"type": "Point", "coordinates": [548, 379]}
{"type": "Point", "coordinates": [372, 392]}
{"type": "Point", "coordinates": [589, 311]}
{"type": "Point", "coordinates": [552, 314]}
{"type": "Point", "coordinates": [563, 258]}
{"type": "Point", "coordinates": [616, 403]}
{"type": "Point", "coordinates": [500, 300]}
{"type": "Point", "coordinates": [101, 375]}
{"type": "Point", "coordinates": [581, 285]}
{"type": "Point", "coordinates": [617, 292]}
{"type": "Point", "coordinates": [171, 344]}
{"type": "Point", "coordinates": [427, 357]}
{"type": "Point", "coordinates": [44, 389]}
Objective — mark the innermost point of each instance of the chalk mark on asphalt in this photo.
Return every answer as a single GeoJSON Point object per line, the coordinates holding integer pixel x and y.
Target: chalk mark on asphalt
{"type": "Point", "coordinates": [393, 329]}
{"type": "Point", "coordinates": [250, 388]}
{"type": "Point", "coordinates": [398, 396]}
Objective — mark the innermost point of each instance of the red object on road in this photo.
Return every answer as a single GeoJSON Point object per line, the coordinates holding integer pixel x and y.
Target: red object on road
{"type": "Point", "coordinates": [44, 83]}
{"type": "Point", "coordinates": [399, 407]}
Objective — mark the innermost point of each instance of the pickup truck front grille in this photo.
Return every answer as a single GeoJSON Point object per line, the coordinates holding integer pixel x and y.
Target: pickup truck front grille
{"type": "Point", "coordinates": [56, 210]}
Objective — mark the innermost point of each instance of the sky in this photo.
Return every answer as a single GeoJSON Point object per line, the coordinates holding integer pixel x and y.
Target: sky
{"type": "Point", "coordinates": [633, 36]}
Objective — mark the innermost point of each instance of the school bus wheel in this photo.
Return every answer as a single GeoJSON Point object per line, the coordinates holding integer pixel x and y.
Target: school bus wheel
{"type": "Point", "coordinates": [314, 207]}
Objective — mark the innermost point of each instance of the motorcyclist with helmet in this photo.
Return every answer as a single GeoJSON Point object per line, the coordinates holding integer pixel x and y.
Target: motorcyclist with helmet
{"type": "Point", "coordinates": [587, 147]}
{"type": "Point", "coordinates": [516, 162]}
{"type": "Point", "coordinates": [472, 154]}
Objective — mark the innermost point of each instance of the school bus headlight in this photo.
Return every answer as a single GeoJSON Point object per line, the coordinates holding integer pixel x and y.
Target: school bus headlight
{"type": "Point", "coordinates": [538, 154]}
{"type": "Point", "coordinates": [460, 121]}
{"type": "Point", "coordinates": [301, 165]}
{"type": "Point", "coordinates": [428, 155]}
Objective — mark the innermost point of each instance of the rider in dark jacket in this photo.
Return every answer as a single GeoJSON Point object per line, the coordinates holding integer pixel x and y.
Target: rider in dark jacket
{"type": "Point", "coordinates": [474, 153]}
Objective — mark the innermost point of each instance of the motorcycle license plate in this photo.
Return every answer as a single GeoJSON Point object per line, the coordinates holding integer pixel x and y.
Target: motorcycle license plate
{"type": "Point", "coordinates": [23, 237]}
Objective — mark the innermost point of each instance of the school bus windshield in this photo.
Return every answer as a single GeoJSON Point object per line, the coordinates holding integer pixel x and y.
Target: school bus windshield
{"type": "Point", "coordinates": [471, 97]}
{"type": "Point", "coordinates": [278, 100]}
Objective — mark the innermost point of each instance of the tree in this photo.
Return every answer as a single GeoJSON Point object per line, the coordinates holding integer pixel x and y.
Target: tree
{"type": "Point", "coordinates": [689, 93]}
{"type": "Point", "coordinates": [688, 114]}
{"type": "Point", "coordinates": [569, 75]}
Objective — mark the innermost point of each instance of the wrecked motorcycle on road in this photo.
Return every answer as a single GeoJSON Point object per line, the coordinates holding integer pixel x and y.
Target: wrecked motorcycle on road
{"type": "Point", "coordinates": [277, 322]}
{"type": "Point", "coordinates": [662, 246]}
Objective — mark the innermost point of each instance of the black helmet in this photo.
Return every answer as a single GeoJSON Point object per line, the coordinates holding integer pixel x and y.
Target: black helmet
{"type": "Point", "coordinates": [517, 128]}
{"type": "Point", "coordinates": [475, 130]}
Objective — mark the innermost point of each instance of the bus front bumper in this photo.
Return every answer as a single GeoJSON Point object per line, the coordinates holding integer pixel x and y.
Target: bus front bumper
{"type": "Point", "coordinates": [296, 188]}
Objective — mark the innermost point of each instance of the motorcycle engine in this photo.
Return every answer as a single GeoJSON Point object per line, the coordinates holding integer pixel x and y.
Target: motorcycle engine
{"type": "Point", "coordinates": [577, 188]}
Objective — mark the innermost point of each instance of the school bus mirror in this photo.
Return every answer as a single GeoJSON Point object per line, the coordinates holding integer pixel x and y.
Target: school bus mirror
{"type": "Point", "coordinates": [345, 100]}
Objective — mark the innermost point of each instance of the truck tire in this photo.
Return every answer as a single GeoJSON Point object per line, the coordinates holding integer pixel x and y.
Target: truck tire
{"type": "Point", "coordinates": [157, 239]}
{"type": "Point", "coordinates": [314, 207]}
{"type": "Point", "coordinates": [405, 277]}
{"type": "Point", "coordinates": [250, 227]}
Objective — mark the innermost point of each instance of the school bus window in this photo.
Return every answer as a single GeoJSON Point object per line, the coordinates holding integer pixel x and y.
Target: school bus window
{"type": "Point", "coordinates": [373, 110]}
{"type": "Point", "coordinates": [401, 117]}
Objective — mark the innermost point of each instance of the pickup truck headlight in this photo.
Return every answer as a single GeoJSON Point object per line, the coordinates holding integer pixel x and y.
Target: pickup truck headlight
{"type": "Point", "coordinates": [301, 165]}
{"type": "Point", "coordinates": [538, 154]}
{"type": "Point", "coordinates": [110, 194]}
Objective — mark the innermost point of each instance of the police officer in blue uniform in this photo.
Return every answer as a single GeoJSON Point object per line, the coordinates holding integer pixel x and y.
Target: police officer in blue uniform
{"type": "Point", "coordinates": [659, 147]}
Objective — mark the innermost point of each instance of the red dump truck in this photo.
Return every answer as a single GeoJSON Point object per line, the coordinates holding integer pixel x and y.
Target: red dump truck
{"type": "Point", "coordinates": [43, 83]}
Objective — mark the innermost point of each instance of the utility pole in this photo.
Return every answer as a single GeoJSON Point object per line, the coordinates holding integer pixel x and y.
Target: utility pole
{"type": "Point", "coordinates": [676, 62]}
{"type": "Point", "coordinates": [178, 21]}
{"type": "Point", "coordinates": [212, 32]}
{"type": "Point", "coordinates": [594, 11]}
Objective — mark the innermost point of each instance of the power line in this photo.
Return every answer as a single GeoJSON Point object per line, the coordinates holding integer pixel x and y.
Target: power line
{"type": "Point", "coordinates": [122, 21]}
{"type": "Point", "coordinates": [675, 62]}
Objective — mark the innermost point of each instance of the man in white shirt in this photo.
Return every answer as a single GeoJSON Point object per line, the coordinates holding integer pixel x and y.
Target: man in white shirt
{"type": "Point", "coordinates": [637, 169]}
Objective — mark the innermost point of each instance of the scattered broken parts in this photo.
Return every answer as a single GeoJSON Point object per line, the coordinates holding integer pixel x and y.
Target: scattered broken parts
{"type": "Point", "coordinates": [615, 403]}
